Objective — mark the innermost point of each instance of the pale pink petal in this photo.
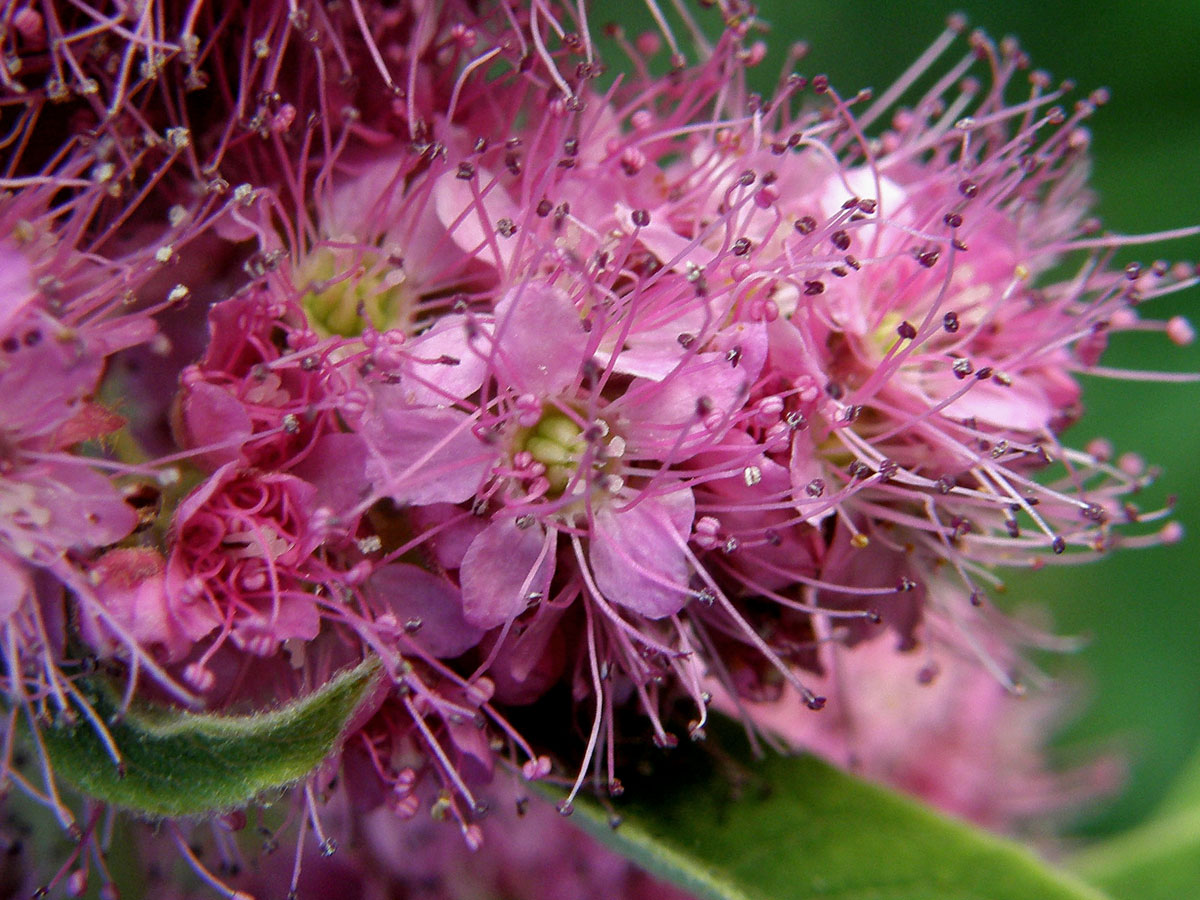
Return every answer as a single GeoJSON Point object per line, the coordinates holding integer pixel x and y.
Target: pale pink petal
{"type": "Point", "coordinates": [441, 365]}
{"type": "Point", "coordinates": [540, 338]}
{"type": "Point", "coordinates": [422, 456]}
{"type": "Point", "coordinates": [637, 555]}
{"type": "Point", "coordinates": [470, 210]}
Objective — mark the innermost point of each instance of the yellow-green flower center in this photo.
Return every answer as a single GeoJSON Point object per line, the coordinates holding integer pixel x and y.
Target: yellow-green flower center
{"type": "Point", "coordinates": [347, 290]}
{"type": "Point", "coordinates": [557, 442]}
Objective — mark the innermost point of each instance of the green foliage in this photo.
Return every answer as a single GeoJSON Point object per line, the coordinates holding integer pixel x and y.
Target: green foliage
{"type": "Point", "coordinates": [176, 763]}
{"type": "Point", "coordinates": [794, 828]}
{"type": "Point", "coordinates": [1159, 860]}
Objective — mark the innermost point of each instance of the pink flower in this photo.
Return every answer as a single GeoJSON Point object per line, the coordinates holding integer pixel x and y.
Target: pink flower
{"type": "Point", "coordinates": [242, 552]}
{"type": "Point", "coordinates": [938, 726]}
{"type": "Point", "coordinates": [51, 502]}
{"type": "Point", "coordinates": [540, 394]}
{"type": "Point", "coordinates": [246, 399]}
{"type": "Point", "coordinates": [130, 584]}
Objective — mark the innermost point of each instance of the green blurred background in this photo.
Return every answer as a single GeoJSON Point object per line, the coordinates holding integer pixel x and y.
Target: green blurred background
{"type": "Point", "coordinates": [1139, 609]}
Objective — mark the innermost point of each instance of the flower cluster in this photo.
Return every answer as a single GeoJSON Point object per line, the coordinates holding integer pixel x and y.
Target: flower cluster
{"type": "Point", "coordinates": [334, 332]}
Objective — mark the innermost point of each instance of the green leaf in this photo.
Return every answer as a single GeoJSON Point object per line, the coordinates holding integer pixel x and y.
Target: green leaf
{"type": "Point", "coordinates": [1156, 861]}
{"type": "Point", "coordinates": [794, 828]}
{"type": "Point", "coordinates": [1184, 793]}
{"type": "Point", "coordinates": [176, 763]}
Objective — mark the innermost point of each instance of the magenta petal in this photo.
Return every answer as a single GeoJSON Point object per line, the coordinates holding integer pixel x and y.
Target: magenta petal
{"type": "Point", "coordinates": [637, 555]}
{"type": "Point", "coordinates": [84, 508]}
{"type": "Point", "coordinates": [16, 285]}
{"type": "Point", "coordinates": [336, 467]}
{"type": "Point", "coordinates": [212, 415]}
{"type": "Point", "coordinates": [413, 595]}
{"type": "Point", "coordinates": [503, 567]}
{"type": "Point", "coordinates": [14, 585]}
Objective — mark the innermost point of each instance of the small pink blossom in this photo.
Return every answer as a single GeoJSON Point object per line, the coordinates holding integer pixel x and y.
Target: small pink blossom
{"type": "Point", "coordinates": [242, 549]}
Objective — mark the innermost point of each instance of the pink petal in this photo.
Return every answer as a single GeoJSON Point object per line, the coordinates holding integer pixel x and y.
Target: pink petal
{"type": "Point", "coordinates": [212, 415]}
{"type": "Point", "coordinates": [705, 389]}
{"type": "Point", "coordinates": [413, 595]}
{"type": "Point", "coordinates": [420, 455]}
{"type": "Point", "coordinates": [471, 220]}
{"type": "Point", "coordinates": [14, 587]}
{"type": "Point", "coordinates": [336, 467]}
{"type": "Point", "coordinates": [540, 338]}
{"type": "Point", "coordinates": [1023, 406]}
{"type": "Point", "coordinates": [503, 567]}
{"type": "Point", "coordinates": [637, 554]}
{"type": "Point", "coordinates": [441, 366]}
{"type": "Point", "coordinates": [16, 285]}
{"type": "Point", "coordinates": [84, 506]}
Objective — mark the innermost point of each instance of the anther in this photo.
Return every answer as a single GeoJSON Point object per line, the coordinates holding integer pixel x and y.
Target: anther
{"type": "Point", "coordinates": [806, 225]}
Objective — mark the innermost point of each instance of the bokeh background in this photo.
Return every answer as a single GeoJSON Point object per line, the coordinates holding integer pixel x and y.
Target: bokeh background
{"type": "Point", "coordinates": [1141, 610]}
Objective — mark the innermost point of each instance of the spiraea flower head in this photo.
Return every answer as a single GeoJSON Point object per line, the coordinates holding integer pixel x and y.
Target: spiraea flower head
{"type": "Point", "coordinates": [477, 400]}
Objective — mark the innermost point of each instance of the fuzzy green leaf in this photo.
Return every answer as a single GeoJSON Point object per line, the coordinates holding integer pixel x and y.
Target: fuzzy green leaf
{"type": "Point", "coordinates": [794, 828]}
{"type": "Point", "coordinates": [177, 763]}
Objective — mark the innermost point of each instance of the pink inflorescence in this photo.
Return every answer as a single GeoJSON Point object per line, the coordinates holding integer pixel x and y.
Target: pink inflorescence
{"type": "Point", "coordinates": [334, 331]}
